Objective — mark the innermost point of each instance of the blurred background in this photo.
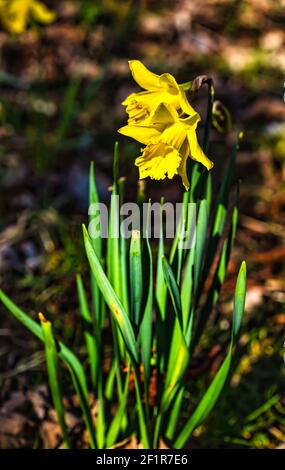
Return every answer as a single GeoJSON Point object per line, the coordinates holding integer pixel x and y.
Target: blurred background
{"type": "Point", "coordinates": [61, 88]}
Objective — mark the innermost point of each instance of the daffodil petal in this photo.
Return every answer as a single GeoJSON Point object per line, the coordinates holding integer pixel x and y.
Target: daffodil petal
{"type": "Point", "coordinates": [142, 96]}
{"type": "Point", "coordinates": [41, 13]}
{"type": "Point", "coordinates": [196, 153]}
{"type": "Point", "coordinates": [143, 134]}
{"type": "Point", "coordinates": [168, 82]}
{"type": "Point", "coordinates": [182, 170]}
{"type": "Point", "coordinates": [174, 135]}
{"type": "Point", "coordinates": [185, 105]}
{"type": "Point", "coordinates": [15, 16]}
{"type": "Point", "coordinates": [164, 114]}
{"type": "Point", "coordinates": [144, 77]}
{"type": "Point", "coordinates": [191, 122]}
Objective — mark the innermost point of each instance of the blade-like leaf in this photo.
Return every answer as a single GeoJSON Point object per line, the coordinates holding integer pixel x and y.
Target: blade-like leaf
{"type": "Point", "coordinates": [177, 364]}
{"type": "Point", "coordinates": [220, 213]}
{"type": "Point", "coordinates": [213, 392]}
{"type": "Point", "coordinates": [173, 290]}
{"type": "Point", "coordinates": [161, 288]}
{"type": "Point", "coordinates": [207, 402]}
{"type": "Point", "coordinates": [92, 349]}
{"type": "Point", "coordinates": [68, 357]}
{"type": "Point", "coordinates": [239, 299]}
{"type": "Point", "coordinates": [218, 279]}
{"type": "Point", "coordinates": [201, 232]}
{"type": "Point", "coordinates": [136, 278]}
{"type": "Point", "coordinates": [116, 423]}
{"type": "Point", "coordinates": [94, 215]}
{"type": "Point", "coordinates": [187, 286]}
{"type": "Point", "coordinates": [123, 257]}
{"type": "Point", "coordinates": [112, 300]}
{"type": "Point", "coordinates": [145, 333]}
{"type": "Point", "coordinates": [54, 376]}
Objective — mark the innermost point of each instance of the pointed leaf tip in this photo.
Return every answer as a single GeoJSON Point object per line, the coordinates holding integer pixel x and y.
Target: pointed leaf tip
{"type": "Point", "coordinates": [239, 298]}
{"type": "Point", "coordinates": [42, 318]}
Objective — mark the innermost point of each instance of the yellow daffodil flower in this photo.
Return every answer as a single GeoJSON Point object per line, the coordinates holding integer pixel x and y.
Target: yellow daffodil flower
{"type": "Point", "coordinates": [169, 141]}
{"type": "Point", "coordinates": [159, 89]}
{"type": "Point", "coordinates": [15, 14]}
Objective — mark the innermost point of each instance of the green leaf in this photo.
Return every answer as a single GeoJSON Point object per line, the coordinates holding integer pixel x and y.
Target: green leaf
{"type": "Point", "coordinates": [239, 299]}
{"type": "Point", "coordinates": [218, 279]}
{"type": "Point", "coordinates": [119, 314]}
{"type": "Point", "coordinates": [123, 257]}
{"type": "Point", "coordinates": [136, 281]}
{"type": "Point", "coordinates": [161, 288]}
{"type": "Point", "coordinates": [187, 286]}
{"type": "Point", "coordinates": [94, 200]}
{"type": "Point", "coordinates": [116, 167]}
{"type": "Point", "coordinates": [113, 245]}
{"type": "Point", "coordinates": [145, 332]}
{"type": "Point", "coordinates": [94, 215]}
{"type": "Point", "coordinates": [116, 423]}
{"type": "Point", "coordinates": [54, 376]}
{"type": "Point", "coordinates": [176, 249]}
{"type": "Point", "coordinates": [207, 402]}
{"type": "Point", "coordinates": [195, 179]}
{"type": "Point", "coordinates": [174, 414]}
{"type": "Point", "coordinates": [173, 290]}
{"type": "Point", "coordinates": [213, 392]}
{"type": "Point", "coordinates": [200, 240]}
{"type": "Point", "coordinates": [177, 364]}
{"type": "Point", "coordinates": [220, 213]}
{"type": "Point", "coordinates": [68, 357]}
{"type": "Point", "coordinates": [92, 349]}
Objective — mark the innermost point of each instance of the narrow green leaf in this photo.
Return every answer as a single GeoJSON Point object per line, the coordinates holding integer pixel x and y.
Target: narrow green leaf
{"type": "Point", "coordinates": [110, 381]}
{"type": "Point", "coordinates": [136, 278]}
{"type": "Point", "coordinates": [54, 377]}
{"type": "Point", "coordinates": [92, 349]}
{"type": "Point", "coordinates": [101, 427]}
{"type": "Point", "coordinates": [116, 422]}
{"type": "Point", "coordinates": [177, 364]}
{"type": "Point", "coordinates": [112, 300]}
{"type": "Point", "coordinates": [213, 392]}
{"type": "Point", "coordinates": [173, 290]}
{"type": "Point", "coordinates": [161, 288]}
{"type": "Point", "coordinates": [187, 286]}
{"type": "Point", "coordinates": [145, 332]}
{"type": "Point", "coordinates": [201, 233]}
{"type": "Point", "coordinates": [113, 244]}
{"type": "Point", "coordinates": [123, 258]}
{"type": "Point", "coordinates": [174, 414]}
{"type": "Point", "coordinates": [94, 217]}
{"type": "Point", "coordinates": [207, 402]}
{"type": "Point", "coordinates": [116, 167]}
{"type": "Point", "coordinates": [176, 250]}
{"type": "Point", "coordinates": [142, 421]}
{"type": "Point", "coordinates": [218, 279]}
{"type": "Point", "coordinates": [68, 357]}
{"type": "Point", "coordinates": [195, 180]}
{"type": "Point", "coordinates": [239, 299]}
{"type": "Point", "coordinates": [220, 212]}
